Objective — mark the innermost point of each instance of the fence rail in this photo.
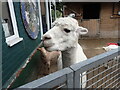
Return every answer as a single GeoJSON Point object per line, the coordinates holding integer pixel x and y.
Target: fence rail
{"type": "Point", "coordinates": [102, 71]}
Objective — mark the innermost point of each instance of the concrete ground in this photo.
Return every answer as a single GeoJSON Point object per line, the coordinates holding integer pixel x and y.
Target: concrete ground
{"type": "Point", "coordinates": [93, 47]}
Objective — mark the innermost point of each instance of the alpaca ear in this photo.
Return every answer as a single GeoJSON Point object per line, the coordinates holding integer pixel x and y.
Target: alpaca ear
{"type": "Point", "coordinates": [82, 31]}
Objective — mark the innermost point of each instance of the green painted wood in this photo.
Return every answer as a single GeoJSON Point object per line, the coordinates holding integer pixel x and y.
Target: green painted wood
{"type": "Point", "coordinates": [0, 54]}
{"type": "Point", "coordinates": [13, 57]}
{"type": "Point", "coordinates": [30, 73]}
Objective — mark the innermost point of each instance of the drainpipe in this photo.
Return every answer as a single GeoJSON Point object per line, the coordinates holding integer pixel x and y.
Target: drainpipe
{"type": "Point", "coordinates": [55, 11]}
{"type": "Point", "coordinates": [40, 18]}
{"type": "Point", "coordinates": [47, 14]}
{"type": "Point", "coordinates": [50, 12]}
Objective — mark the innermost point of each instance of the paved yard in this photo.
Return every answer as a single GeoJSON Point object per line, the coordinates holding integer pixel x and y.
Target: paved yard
{"type": "Point", "coordinates": [93, 47]}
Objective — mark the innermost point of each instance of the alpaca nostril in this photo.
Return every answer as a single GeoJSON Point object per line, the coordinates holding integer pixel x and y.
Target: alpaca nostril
{"type": "Point", "coordinates": [46, 37]}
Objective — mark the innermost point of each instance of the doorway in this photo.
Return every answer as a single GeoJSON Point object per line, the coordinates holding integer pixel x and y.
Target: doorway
{"type": "Point", "coordinates": [91, 18]}
{"type": "Point", "coordinates": [91, 11]}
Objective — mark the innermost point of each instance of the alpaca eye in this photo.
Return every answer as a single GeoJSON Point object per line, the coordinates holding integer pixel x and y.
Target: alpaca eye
{"type": "Point", "coordinates": [66, 30]}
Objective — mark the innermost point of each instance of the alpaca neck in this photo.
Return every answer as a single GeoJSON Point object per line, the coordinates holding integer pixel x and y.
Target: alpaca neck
{"type": "Point", "coordinates": [69, 57]}
{"type": "Point", "coordinates": [73, 55]}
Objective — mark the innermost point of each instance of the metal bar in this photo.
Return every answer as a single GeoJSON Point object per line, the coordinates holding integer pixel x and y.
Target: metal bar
{"type": "Point", "coordinates": [100, 66]}
{"type": "Point", "coordinates": [116, 84]}
{"type": "Point", "coordinates": [100, 73]}
{"type": "Point", "coordinates": [107, 81]}
{"type": "Point", "coordinates": [119, 85]}
{"type": "Point", "coordinates": [108, 75]}
{"type": "Point", "coordinates": [111, 74]}
{"type": "Point", "coordinates": [49, 81]}
{"type": "Point", "coordinates": [70, 79]}
{"type": "Point", "coordinates": [81, 80]}
{"type": "Point", "coordinates": [61, 86]}
{"type": "Point", "coordinates": [102, 78]}
{"type": "Point", "coordinates": [116, 72]}
{"type": "Point", "coordinates": [76, 80]}
{"type": "Point", "coordinates": [96, 68]}
{"type": "Point", "coordinates": [112, 82]}
{"type": "Point", "coordinates": [95, 61]}
{"type": "Point", "coordinates": [92, 79]}
{"type": "Point", "coordinates": [54, 82]}
{"type": "Point", "coordinates": [98, 76]}
{"type": "Point", "coordinates": [101, 84]}
{"type": "Point", "coordinates": [91, 63]}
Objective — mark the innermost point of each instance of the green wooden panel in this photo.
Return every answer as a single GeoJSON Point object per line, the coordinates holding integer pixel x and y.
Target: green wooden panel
{"type": "Point", "coordinates": [0, 54]}
{"type": "Point", "coordinates": [15, 56]}
{"type": "Point", "coordinates": [30, 73]}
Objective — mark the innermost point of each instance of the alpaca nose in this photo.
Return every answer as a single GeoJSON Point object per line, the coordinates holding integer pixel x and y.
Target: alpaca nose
{"type": "Point", "coordinates": [46, 37]}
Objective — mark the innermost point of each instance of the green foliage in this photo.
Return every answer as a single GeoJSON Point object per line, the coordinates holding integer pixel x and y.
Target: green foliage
{"type": "Point", "coordinates": [59, 10]}
{"type": "Point", "coordinates": [58, 14]}
{"type": "Point", "coordinates": [59, 6]}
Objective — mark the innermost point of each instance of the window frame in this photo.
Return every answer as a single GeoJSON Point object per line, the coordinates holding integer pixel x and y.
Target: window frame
{"type": "Point", "coordinates": [13, 39]}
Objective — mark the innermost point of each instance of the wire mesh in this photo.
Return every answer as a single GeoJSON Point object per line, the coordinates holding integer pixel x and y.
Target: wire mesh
{"type": "Point", "coordinates": [106, 75]}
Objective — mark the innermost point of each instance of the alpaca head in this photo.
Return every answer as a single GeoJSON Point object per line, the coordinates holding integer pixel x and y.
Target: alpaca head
{"type": "Point", "coordinates": [63, 35]}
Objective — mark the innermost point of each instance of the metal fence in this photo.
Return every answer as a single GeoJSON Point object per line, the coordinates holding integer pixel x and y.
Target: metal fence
{"type": "Point", "coordinates": [102, 71]}
{"type": "Point", "coordinates": [59, 79]}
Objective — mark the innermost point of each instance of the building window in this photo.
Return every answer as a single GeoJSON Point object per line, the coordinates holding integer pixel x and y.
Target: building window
{"type": "Point", "coordinates": [9, 24]}
{"type": "Point", "coordinates": [91, 11]}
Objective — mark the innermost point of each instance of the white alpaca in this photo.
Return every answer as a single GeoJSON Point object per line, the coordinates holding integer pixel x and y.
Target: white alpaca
{"type": "Point", "coordinates": [63, 36]}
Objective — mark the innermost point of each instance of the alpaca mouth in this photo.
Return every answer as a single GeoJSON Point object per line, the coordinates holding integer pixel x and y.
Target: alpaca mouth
{"type": "Point", "coordinates": [48, 48]}
{"type": "Point", "coordinates": [47, 45]}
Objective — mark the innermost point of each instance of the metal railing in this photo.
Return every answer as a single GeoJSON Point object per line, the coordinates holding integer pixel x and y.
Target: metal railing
{"type": "Point", "coordinates": [58, 79]}
{"type": "Point", "coordinates": [102, 71]}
